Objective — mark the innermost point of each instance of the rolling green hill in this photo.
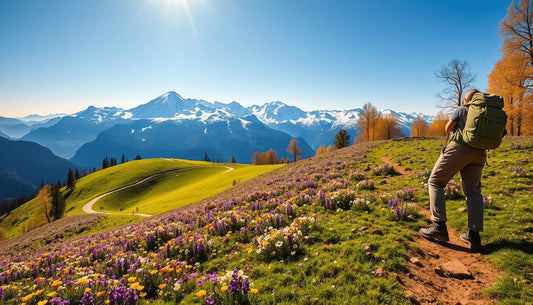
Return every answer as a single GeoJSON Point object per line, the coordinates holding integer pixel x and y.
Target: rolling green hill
{"type": "Point", "coordinates": [180, 182]}
{"type": "Point", "coordinates": [176, 189]}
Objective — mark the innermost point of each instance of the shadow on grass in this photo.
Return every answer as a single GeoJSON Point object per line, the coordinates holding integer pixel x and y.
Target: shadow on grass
{"type": "Point", "coordinates": [522, 245]}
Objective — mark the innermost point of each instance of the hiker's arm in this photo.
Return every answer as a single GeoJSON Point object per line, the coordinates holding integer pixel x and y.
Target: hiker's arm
{"type": "Point", "coordinates": [450, 126]}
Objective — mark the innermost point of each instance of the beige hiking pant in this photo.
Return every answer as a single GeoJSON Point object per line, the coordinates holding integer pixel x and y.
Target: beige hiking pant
{"type": "Point", "coordinates": [469, 162]}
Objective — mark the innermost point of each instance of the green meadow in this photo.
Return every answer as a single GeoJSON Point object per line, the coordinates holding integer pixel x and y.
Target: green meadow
{"type": "Point", "coordinates": [176, 189]}
{"type": "Point", "coordinates": [178, 183]}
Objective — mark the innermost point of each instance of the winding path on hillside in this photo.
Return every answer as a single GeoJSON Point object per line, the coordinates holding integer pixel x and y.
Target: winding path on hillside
{"type": "Point", "coordinates": [422, 284]}
{"type": "Point", "coordinates": [88, 207]}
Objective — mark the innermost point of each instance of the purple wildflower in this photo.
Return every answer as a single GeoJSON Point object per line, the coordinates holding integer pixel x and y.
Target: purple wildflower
{"type": "Point", "coordinates": [87, 299]}
{"type": "Point", "coordinates": [245, 286]}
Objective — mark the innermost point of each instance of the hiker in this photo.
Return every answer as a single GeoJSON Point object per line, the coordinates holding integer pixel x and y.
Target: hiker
{"type": "Point", "coordinates": [457, 156]}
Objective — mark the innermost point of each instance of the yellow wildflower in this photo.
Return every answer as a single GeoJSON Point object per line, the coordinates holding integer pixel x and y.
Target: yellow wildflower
{"type": "Point", "coordinates": [39, 292]}
{"type": "Point", "coordinates": [254, 290]}
{"type": "Point", "coordinates": [132, 279]}
{"type": "Point", "coordinates": [202, 293]}
{"type": "Point", "coordinates": [27, 298]}
{"type": "Point", "coordinates": [51, 294]}
{"type": "Point", "coordinates": [153, 272]}
{"type": "Point", "coordinates": [101, 293]}
{"type": "Point", "coordinates": [162, 286]}
{"type": "Point", "coordinates": [42, 302]}
{"type": "Point", "coordinates": [87, 289]}
{"type": "Point", "coordinates": [142, 294]}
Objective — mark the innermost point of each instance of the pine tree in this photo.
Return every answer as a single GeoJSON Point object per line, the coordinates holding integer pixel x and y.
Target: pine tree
{"type": "Point", "coordinates": [206, 158]}
{"type": "Point", "coordinates": [342, 139]}
{"type": "Point", "coordinates": [105, 163]}
{"type": "Point", "coordinates": [58, 202]}
{"type": "Point", "coordinates": [123, 159]}
{"type": "Point", "coordinates": [71, 182]}
{"type": "Point", "coordinates": [138, 157]}
{"type": "Point", "coordinates": [233, 160]}
{"type": "Point", "coordinates": [77, 175]}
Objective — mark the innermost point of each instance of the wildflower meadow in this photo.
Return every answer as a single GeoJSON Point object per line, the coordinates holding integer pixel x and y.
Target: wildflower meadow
{"type": "Point", "coordinates": [312, 232]}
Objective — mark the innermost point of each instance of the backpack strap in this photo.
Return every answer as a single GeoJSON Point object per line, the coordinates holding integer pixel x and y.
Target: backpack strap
{"type": "Point", "coordinates": [446, 142]}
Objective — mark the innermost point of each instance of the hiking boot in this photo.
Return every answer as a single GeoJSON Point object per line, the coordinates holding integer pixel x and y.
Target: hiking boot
{"type": "Point", "coordinates": [472, 238]}
{"type": "Point", "coordinates": [436, 231]}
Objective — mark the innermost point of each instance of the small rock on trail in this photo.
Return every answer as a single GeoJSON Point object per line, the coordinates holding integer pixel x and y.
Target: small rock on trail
{"type": "Point", "coordinates": [454, 269]}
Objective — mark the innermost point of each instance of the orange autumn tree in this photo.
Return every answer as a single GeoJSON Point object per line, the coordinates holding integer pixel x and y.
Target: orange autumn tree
{"type": "Point", "coordinates": [367, 122]}
{"type": "Point", "coordinates": [320, 150]}
{"type": "Point", "coordinates": [294, 149]}
{"type": "Point", "coordinates": [436, 129]}
{"type": "Point", "coordinates": [268, 157]}
{"type": "Point", "coordinates": [508, 79]}
{"type": "Point", "coordinates": [419, 127]}
{"type": "Point", "coordinates": [44, 200]}
{"type": "Point", "coordinates": [512, 76]}
{"type": "Point", "coordinates": [387, 127]}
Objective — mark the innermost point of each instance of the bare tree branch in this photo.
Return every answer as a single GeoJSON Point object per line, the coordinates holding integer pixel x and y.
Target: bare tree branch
{"type": "Point", "coordinates": [456, 78]}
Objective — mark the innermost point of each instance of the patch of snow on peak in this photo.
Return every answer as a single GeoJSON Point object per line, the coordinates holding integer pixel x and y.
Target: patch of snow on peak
{"type": "Point", "coordinates": [146, 128]}
{"type": "Point", "coordinates": [245, 123]}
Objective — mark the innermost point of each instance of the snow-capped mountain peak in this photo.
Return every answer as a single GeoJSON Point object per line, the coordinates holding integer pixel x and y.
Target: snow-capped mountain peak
{"type": "Point", "coordinates": [98, 115]}
{"type": "Point", "coordinates": [169, 105]}
{"type": "Point", "coordinates": [277, 112]}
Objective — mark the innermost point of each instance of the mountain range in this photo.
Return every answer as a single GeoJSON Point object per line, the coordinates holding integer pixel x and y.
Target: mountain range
{"type": "Point", "coordinates": [25, 165]}
{"type": "Point", "coordinates": [172, 126]}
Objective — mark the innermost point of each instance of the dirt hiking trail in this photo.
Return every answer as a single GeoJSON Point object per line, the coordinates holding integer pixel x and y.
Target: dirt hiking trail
{"type": "Point", "coordinates": [445, 273]}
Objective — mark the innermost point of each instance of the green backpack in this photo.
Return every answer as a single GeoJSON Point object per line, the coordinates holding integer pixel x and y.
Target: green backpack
{"type": "Point", "coordinates": [485, 121]}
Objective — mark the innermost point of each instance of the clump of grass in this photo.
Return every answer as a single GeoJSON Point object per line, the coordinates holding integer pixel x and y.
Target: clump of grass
{"type": "Point", "coordinates": [511, 290]}
{"type": "Point", "coordinates": [365, 185]}
{"type": "Point", "coordinates": [385, 170]}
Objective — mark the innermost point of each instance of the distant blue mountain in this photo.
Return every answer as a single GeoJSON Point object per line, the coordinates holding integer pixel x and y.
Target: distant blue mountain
{"type": "Point", "coordinates": [13, 128]}
{"type": "Point", "coordinates": [179, 120]}
{"type": "Point", "coordinates": [221, 139]}
{"type": "Point", "coordinates": [25, 165]}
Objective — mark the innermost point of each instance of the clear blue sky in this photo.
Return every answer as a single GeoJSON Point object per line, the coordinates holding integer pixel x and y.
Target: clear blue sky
{"type": "Point", "coordinates": [62, 56]}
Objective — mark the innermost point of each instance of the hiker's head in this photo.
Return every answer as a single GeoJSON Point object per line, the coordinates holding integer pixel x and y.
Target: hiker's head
{"type": "Point", "coordinates": [469, 94]}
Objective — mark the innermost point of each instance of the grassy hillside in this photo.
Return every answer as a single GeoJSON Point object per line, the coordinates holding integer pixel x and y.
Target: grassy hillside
{"type": "Point", "coordinates": [333, 229]}
{"type": "Point", "coordinates": [176, 189]}
{"type": "Point", "coordinates": [202, 180]}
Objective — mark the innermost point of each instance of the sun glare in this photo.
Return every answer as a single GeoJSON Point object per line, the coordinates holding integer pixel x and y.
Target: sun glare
{"type": "Point", "coordinates": [174, 8]}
